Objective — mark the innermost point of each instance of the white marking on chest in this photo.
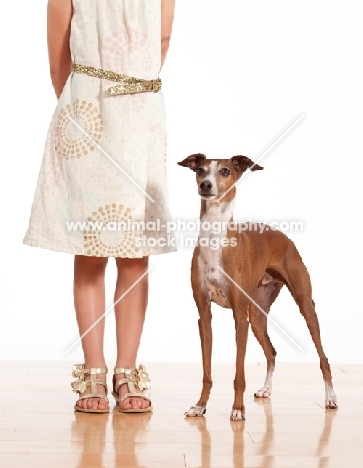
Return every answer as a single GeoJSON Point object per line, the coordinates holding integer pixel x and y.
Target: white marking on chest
{"type": "Point", "coordinates": [216, 217]}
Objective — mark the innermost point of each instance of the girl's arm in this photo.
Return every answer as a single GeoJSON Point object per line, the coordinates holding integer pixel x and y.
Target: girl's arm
{"type": "Point", "coordinates": [167, 18]}
{"type": "Point", "coordinates": [59, 26]}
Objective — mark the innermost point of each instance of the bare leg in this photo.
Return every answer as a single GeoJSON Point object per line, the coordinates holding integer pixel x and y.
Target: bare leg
{"type": "Point", "coordinates": [89, 302]}
{"type": "Point", "coordinates": [130, 317]}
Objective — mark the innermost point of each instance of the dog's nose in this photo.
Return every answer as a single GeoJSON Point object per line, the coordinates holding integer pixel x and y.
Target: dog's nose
{"type": "Point", "coordinates": [206, 186]}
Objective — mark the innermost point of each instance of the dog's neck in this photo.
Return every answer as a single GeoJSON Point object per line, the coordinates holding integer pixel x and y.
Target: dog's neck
{"type": "Point", "coordinates": [213, 208]}
{"type": "Point", "coordinates": [215, 211]}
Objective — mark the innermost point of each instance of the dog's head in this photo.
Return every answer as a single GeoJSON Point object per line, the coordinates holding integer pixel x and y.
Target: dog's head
{"type": "Point", "coordinates": [215, 177]}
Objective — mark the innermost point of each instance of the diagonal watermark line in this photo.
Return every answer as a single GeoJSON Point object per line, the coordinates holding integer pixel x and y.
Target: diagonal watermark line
{"type": "Point", "coordinates": [263, 155]}
{"type": "Point", "coordinates": [261, 310]}
{"type": "Point", "coordinates": [108, 310]}
{"type": "Point", "coordinates": [109, 157]}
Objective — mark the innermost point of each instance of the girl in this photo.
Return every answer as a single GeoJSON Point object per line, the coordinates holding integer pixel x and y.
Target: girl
{"type": "Point", "coordinates": [104, 166]}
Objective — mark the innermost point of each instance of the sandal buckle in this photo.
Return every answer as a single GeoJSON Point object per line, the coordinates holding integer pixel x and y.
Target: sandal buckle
{"type": "Point", "coordinates": [78, 371]}
{"type": "Point", "coordinates": [141, 380]}
{"type": "Point", "coordinates": [79, 386]}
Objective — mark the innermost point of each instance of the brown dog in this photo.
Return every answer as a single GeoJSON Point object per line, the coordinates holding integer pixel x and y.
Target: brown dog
{"type": "Point", "coordinates": [243, 270]}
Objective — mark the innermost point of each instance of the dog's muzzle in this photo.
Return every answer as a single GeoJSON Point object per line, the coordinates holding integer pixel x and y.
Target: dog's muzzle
{"type": "Point", "coordinates": [205, 189]}
{"type": "Point", "coordinates": [205, 186]}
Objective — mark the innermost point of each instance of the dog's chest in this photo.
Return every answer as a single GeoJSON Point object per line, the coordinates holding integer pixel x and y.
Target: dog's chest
{"type": "Point", "coordinates": [210, 259]}
{"type": "Point", "coordinates": [213, 281]}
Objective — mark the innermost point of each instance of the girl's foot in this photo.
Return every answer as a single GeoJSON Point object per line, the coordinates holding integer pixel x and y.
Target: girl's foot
{"type": "Point", "coordinates": [130, 402]}
{"type": "Point", "coordinates": [92, 388]}
{"type": "Point", "coordinates": [131, 382]}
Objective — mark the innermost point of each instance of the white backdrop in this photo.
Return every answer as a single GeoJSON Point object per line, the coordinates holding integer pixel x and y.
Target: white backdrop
{"type": "Point", "coordinates": [238, 75]}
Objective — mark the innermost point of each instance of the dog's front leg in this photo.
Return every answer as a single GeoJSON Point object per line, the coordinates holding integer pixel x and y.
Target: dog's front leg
{"type": "Point", "coordinates": [241, 323]}
{"type": "Point", "coordinates": [205, 331]}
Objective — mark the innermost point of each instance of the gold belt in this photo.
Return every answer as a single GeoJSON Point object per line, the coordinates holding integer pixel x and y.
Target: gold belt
{"type": "Point", "coordinates": [128, 84]}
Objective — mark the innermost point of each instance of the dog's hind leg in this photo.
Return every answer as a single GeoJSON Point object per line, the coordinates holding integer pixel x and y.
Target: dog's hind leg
{"type": "Point", "coordinates": [265, 296]}
{"type": "Point", "coordinates": [307, 309]}
{"type": "Point", "coordinates": [300, 287]}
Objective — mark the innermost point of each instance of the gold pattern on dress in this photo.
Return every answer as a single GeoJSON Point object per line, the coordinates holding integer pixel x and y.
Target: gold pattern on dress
{"type": "Point", "coordinates": [70, 142]}
{"type": "Point", "coordinates": [108, 238]}
{"type": "Point", "coordinates": [128, 84]}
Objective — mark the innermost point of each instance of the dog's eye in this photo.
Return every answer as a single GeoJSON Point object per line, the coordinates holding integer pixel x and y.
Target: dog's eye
{"type": "Point", "coordinates": [200, 171]}
{"type": "Point", "coordinates": [225, 172]}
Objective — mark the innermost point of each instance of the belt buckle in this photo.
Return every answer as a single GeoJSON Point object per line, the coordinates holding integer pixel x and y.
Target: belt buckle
{"type": "Point", "coordinates": [156, 85]}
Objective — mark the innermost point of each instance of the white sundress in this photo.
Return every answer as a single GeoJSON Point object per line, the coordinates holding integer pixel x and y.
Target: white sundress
{"type": "Point", "coordinates": [105, 156]}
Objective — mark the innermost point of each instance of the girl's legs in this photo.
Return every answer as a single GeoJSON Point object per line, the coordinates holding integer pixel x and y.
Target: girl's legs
{"type": "Point", "coordinates": [130, 316]}
{"type": "Point", "coordinates": [89, 301]}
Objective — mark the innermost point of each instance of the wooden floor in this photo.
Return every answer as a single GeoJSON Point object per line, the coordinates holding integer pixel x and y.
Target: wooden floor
{"type": "Point", "coordinates": [38, 427]}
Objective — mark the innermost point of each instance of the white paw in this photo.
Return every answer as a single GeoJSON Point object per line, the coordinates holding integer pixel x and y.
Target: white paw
{"type": "Point", "coordinates": [263, 393]}
{"type": "Point", "coordinates": [331, 403]}
{"type": "Point", "coordinates": [330, 397]}
{"type": "Point", "coordinates": [195, 411]}
{"type": "Point", "coordinates": [237, 415]}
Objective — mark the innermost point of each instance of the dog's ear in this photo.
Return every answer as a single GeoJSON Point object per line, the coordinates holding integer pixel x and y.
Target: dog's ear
{"type": "Point", "coordinates": [242, 163]}
{"type": "Point", "coordinates": [193, 161]}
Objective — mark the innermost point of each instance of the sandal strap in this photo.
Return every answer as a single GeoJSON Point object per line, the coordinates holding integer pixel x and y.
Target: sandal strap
{"type": "Point", "coordinates": [127, 395]}
{"type": "Point", "coordinates": [118, 383]}
{"type": "Point", "coordinates": [129, 370]}
{"type": "Point", "coordinates": [81, 385]}
{"type": "Point", "coordinates": [80, 371]}
{"type": "Point", "coordinates": [137, 380]}
{"type": "Point", "coordinates": [97, 395]}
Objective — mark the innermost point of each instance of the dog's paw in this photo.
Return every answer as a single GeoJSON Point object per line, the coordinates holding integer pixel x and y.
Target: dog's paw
{"type": "Point", "coordinates": [263, 393]}
{"type": "Point", "coordinates": [195, 411]}
{"type": "Point", "coordinates": [330, 397]}
{"type": "Point", "coordinates": [237, 415]}
{"type": "Point", "coordinates": [331, 403]}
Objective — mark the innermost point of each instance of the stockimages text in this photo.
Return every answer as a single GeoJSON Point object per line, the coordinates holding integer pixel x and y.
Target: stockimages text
{"type": "Point", "coordinates": [215, 234]}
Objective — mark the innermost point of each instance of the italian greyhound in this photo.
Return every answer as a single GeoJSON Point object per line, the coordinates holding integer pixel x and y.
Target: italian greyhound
{"type": "Point", "coordinates": [245, 273]}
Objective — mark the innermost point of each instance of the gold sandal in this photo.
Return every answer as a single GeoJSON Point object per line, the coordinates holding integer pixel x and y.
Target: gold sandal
{"type": "Point", "coordinates": [136, 379]}
{"type": "Point", "coordinates": [81, 385]}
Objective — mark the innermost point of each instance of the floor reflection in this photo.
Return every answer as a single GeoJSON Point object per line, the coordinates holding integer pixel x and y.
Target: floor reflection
{"type": "Point", "coordinates": [90, 430]}
{"type": "Point", "coordinates": [238, 428]}
{"type": "Point", "coordinates": [91, 435]}
{"type": "Point", "coordinates": [265, 447]}
{"type": "Point", "coordinates": [129, 429]}
{"type": "Point", "coordinates": [206, 442]}
{"type": "Point", "coordinates": [325, 437]}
